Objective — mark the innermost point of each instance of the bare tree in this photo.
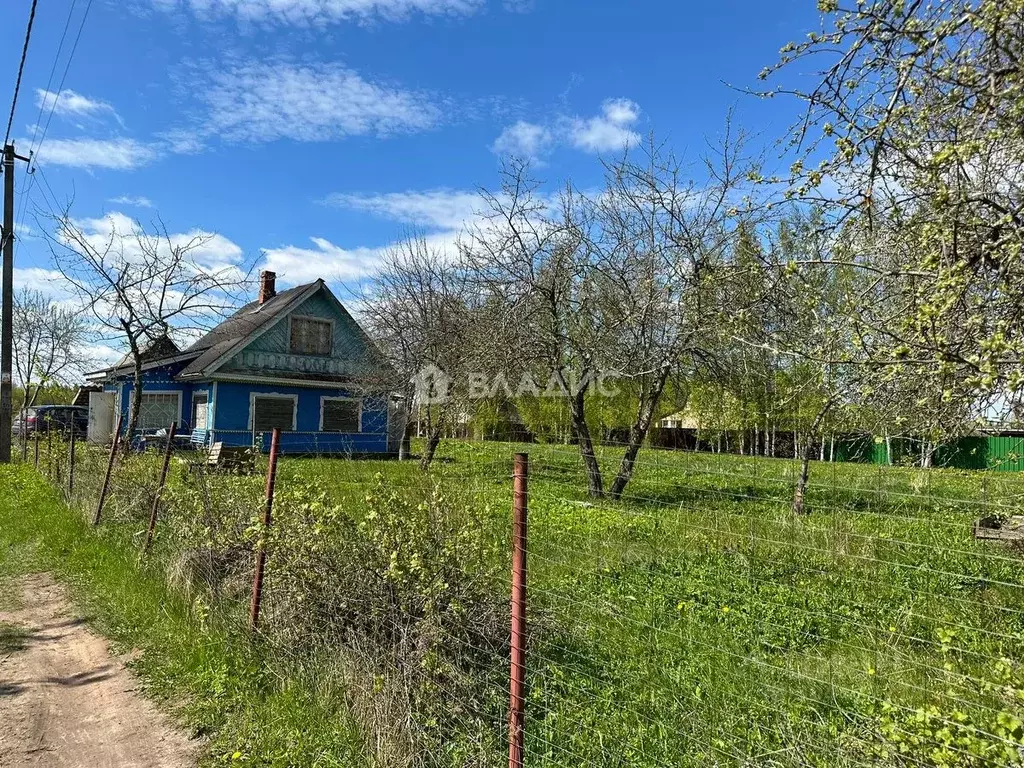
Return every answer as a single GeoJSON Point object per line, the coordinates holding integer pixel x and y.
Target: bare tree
{"type": "Point", "coordinates": [143, 286]}
{"type": "Point", "coordinates": [535, 261]}
{"type": "Point", "coordinates": [49, 341]}
{"type": "Point", "coordinates": [623, 282]}
{"type": "Point", "coordinates": [419, 313]}
{"type": "Point", "coordinates": [664, 233]}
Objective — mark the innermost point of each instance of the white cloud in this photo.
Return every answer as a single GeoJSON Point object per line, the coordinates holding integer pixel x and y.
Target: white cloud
{"type": "Point", "coordinates": [610, 131]}
{"type": "Point", "coordinates": [436, 208]}
{"type": "Point", "coordinates": [46, 281]}
{"type": "Point", "coordinates": [320, 12]}
{"type": "Point", "coordinates": [183, 141]}
{"type": "Point", "coordinates": [209, 250]}
{"type": "Point", "coordinates": [526, 140]}
{"type": "Point", "coordinates": [295, 264]}
{"type": "Point", "coordinates": [260, 101]}
{"type": "Point", "coordinates": [137, 202]}
{"type": "Point", "coordinates": [71, 103]}
{"type": "Point", "coordinates": [117, 154]}
{"type": "Point", "coordinates": [335, 264]}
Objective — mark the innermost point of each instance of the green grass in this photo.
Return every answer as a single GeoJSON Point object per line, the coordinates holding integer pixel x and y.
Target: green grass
{"type": "Point", "coordinates": [694, 622]}
{"type": "Point", "coordinates": [212, 679]}
{"type": "Point", "coordinates": [697, 621]}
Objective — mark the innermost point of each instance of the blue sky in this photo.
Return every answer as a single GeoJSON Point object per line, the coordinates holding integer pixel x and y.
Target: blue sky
{"type": "Point", "coordinates": [309, 133]}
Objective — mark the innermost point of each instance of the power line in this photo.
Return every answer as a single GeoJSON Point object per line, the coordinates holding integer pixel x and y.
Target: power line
{"type": "Point", "coordinates": [21, 69]}
{"type": "Point", "coordinates": [29, 177]}
{"type": "Point", "coordinates": [53, 70]}
{"type": "Point", "coordinates": [67, 67]}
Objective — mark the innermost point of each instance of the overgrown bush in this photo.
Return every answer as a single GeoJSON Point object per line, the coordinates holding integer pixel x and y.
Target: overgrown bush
{"type": "Point", "coordinates": [402, 595]}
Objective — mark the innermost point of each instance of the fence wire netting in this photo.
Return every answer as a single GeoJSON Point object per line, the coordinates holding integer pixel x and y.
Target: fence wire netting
{"type": "Point", "coordinates": [693, 621]}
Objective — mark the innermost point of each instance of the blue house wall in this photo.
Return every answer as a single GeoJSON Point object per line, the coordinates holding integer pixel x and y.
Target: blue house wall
{"type": "Point", "coordinates": [268, 357]}
{"type": "Point", "coordinates": [233, 425]}
{"type": "Point", "coordinates": [158, 380]}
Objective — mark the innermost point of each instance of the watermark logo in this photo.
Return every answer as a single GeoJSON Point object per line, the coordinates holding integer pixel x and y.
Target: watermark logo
{"type": "Point", "coordinates": [433, 386]}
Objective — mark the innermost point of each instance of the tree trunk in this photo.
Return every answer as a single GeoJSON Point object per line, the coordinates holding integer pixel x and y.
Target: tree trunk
{"type": "Point", "coordinates": [595, 483]}
{"type": "Point", "coordinates": [637, 434]}
{"type": "Point", "coordinates": [800, 493]}
{"type": "Point", "coordinates": [433, 440]}
{"type": "Point", "coordinates": [136, 404]}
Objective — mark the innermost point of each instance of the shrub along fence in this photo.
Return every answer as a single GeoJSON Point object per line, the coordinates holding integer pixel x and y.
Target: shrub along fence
{"type": "Point", "coordinates": [694, 621]}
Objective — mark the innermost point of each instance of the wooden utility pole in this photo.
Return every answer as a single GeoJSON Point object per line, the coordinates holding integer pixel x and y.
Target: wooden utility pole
{"type": "Point", "coordinates": [7, 306]}
{"type": "Point", "coordinates": [7, 318]}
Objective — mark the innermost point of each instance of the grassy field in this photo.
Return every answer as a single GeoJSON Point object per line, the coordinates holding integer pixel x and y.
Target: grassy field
{"type": "Point", "coordinates": [695, 622]}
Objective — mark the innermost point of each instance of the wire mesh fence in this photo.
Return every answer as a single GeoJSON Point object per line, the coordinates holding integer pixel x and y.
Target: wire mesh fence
{"type": "Point", "coordinates": [695, 620]}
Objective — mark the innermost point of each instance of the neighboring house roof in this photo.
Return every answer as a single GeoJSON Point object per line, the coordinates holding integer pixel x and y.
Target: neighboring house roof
{"type": "Point", "coordinates": [680, 420]}
{"type": "Point", "coordinates": [82, 394]}
{"type": "Point", "coordinates": [157, 349]}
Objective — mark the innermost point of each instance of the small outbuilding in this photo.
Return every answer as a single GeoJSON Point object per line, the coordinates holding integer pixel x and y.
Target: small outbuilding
{"type": "Point", "coordinates": [295, 360]}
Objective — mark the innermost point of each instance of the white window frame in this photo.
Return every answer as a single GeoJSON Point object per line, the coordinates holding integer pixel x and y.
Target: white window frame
{"type": "Point", "coordinates": [176, 392]}
{"type": "Point", "coordinates": [329, 321]}
{"type": "Point", "coordinates": [278, 395]}
{"type": "Point", "coordinates": [323, 403]}
{"type": "Point", "coordinates": [206, 394]}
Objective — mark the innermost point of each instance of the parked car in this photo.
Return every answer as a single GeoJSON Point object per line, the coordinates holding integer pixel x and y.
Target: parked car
{"type": "Point", "coordinates": [59, 418]}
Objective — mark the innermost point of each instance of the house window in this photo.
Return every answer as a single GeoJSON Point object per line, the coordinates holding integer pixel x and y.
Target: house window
{"type": "Point", "coordinates": [310, 336]}
{"type": "Point", "coordinates": [339, 414]}
{"type": "Point", "coordinates": [273, 411]}
{"type": "Point", "coordinates": [200, 410]}
{"type": "Point", "coordinates": [159, 409]}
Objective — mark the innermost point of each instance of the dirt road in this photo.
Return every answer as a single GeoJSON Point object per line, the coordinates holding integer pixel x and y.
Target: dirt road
{"type": "Point", "coordinates": [66, 701]}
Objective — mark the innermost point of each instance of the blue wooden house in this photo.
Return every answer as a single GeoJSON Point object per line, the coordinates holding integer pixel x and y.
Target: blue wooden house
{"type": "Point", "coordinates": [295, 360]}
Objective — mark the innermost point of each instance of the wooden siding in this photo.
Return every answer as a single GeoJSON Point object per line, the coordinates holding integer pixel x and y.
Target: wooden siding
{"type": "Point", "coordinates": [270, 352]}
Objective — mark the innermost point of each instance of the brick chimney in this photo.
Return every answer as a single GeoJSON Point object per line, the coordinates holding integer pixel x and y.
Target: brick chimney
{"type": "Point", "coordinates": [267, 286]}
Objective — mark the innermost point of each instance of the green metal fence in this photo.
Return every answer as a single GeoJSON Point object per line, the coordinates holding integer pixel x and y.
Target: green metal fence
{"type": "Point", "coordinates": [1000, 453]}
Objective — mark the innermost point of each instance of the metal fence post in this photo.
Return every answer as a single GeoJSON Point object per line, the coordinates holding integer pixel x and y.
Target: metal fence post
{"type": "Point", "coordinates": [160, 487]}
{"type": "Point", "coordinates": [36, 435]}
{"type": "Point", "coordinates": [49, 451]}
{"type": "Point", "coordinates": [516, 715]}
{"type": "Point", "coordinates": [261, 552]}
{"type": "Point", "coordinates": [71, 464]}
{"type": "Point", "coordinates": [110, 467]}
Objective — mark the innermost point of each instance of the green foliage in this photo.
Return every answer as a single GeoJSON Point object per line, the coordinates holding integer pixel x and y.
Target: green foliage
{"type": "Point", "coordinates": [693, 622]}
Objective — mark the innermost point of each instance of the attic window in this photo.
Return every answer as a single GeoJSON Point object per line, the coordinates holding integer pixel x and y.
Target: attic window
{"type": "Point", "coordinates": [311, 336]}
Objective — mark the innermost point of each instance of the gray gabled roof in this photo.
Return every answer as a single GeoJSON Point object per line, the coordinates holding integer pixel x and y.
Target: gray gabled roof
{"type": "Point", "coordinates": [230, 336]}
{"type": "Point", "coordinates": [240, 327]}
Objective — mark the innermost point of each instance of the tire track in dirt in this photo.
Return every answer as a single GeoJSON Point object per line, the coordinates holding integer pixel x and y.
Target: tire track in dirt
{"type": "Point", "coordinates": [66, 701]}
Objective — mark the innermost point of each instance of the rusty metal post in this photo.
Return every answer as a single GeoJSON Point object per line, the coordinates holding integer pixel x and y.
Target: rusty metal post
{"type": "Point", "coordinates": [71, 464]}
{"type": "Point", "coordinates": [516, 714]}
{"type": "Point", "coordinates": [160, 487]}
{"type": "Point", "coordinates": [24, 433]}
{"type": "Point", "coordinates": [36, 435]}
{"type": "Point", "coordinates": [261, 552]}
{"type": "Point", "coordinates": [110, 468]}
{"type": "Point", "coordinates": [49, 451]}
